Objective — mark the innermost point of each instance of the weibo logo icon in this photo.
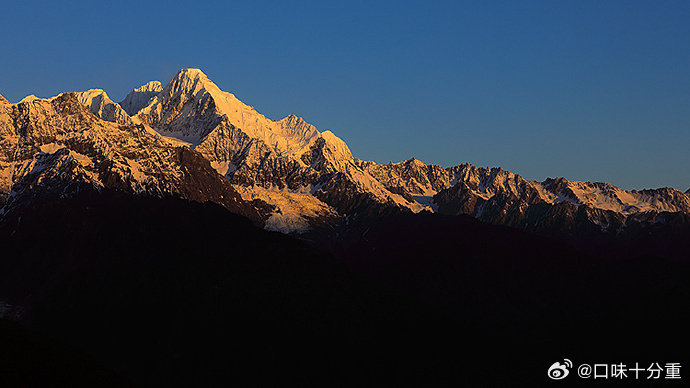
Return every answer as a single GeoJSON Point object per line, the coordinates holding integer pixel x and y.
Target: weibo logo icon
{"type": "Point", "coordinates": [559, 371]}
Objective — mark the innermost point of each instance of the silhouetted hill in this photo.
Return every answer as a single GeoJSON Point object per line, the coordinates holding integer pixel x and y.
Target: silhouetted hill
{"type": "Point", "coordinates": [170, 292]}
{"type": "Point", "coordinates": [28, 359]}
{"type": "Point", "coordinates": [520, 301]}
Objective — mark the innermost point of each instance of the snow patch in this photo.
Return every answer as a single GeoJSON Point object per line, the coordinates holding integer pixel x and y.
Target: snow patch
{"type": "Point", "coordinates": [50, 148]}
{"type": "Point", "coordinates": [29, 98]}
{"type": "Point", "coordinates": [293, 209]}
{"type": "Point", "coordinates": [81, 158]}
{"type": "Point", "coordinates": [224, 168]}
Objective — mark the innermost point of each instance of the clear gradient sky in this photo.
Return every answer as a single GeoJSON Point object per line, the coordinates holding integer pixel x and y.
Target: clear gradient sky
{"type": "Point", "coordinates": [589, 90]}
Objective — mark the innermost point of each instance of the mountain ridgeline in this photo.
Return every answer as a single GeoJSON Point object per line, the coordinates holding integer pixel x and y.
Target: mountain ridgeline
{"type": "Point", "coordinates": [189, 139]}
{"type": "Point", "coordinates": [141, 246]}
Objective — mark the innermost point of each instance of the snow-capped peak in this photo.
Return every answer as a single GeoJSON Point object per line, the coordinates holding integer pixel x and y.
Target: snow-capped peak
{"type": "Point", "coordinates": [140, 97]}
{"type": "Point", "coordinates": [102, 106]}
{"type": "Point", "coordinates": [187, 80]}
{"type": "Point", "coordinates": [29, 98]}
{"type": "Point", "coordinates": [151, 86]}
{"type": "Point", "coordinates": [415, 162]}
{"type": "Point", "coordinates": [190, 72]}
{"type": "Point", "coordinates": [90, 95]}
{"type": "Point", "coordinates": [191, 97]}
{"type": "Point", "coordinates": [338, 147]}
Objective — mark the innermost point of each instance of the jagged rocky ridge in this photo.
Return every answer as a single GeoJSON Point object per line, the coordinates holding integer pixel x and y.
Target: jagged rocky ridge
{"type": "Point", "coordinates": [287, 162]}
{"type": "Point", "coordinates": [311, 177]}
{"type": "Point", "coordinates": [501, 197]}
{"type": "Point", "coordinates": [58, 146]}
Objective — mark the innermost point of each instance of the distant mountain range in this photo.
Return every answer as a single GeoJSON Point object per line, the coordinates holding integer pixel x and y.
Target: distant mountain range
{"type": "Point", "coordinates": [192, 140]}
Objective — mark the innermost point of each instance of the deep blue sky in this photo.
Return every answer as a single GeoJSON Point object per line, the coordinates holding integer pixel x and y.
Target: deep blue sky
{"type": "Point", "coordinates": [589, 90]}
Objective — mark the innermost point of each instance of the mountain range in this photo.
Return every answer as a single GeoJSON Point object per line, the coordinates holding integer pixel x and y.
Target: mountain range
{"type": "Point", "coordinates": [141, 245]}
{"type": "Point", "coordinates": [192, 140]}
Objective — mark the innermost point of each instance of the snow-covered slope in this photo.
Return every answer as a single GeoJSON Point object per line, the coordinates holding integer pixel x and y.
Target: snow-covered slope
{"type": "Point", "coordinates": [293, 211]}
{"type": "Point", "coordinates": [57, 146]}
{"type": "Point", "coordinates": [102, 106]}
{"type": "Point", "coordinates": [191, 106]}
{"type": "Point", "coordinates": [254, 151]}
{"type": "Point", "coordinates": [191, 96]}
{"type": "Point", "coordinates": [140, 97]}
{"type": "Point", "coordinates": [29, 98]}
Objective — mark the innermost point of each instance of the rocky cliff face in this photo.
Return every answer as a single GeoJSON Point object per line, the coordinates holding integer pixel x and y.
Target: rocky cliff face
{"type": "Point", "coordinates": [194, 140]}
